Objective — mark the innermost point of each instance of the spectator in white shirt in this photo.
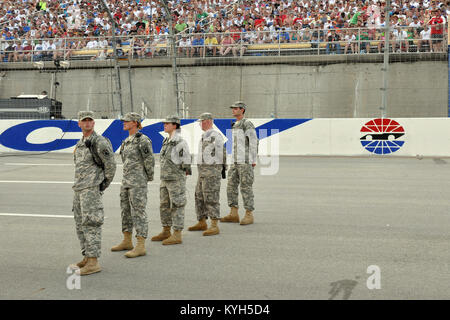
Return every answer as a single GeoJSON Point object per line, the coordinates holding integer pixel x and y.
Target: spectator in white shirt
{"type": "Point", "coordinates": [92, 44]}
{"type": "Point", "coordinates": [184, 46]}
{"type": "Point", "coordinates": [415, 23]}
{"type": "Point", "coordinates": [425, 38]}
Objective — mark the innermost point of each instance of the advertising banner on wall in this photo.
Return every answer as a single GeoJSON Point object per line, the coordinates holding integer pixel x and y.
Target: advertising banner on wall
{"type": "Point", "coordinates": [284, 137]}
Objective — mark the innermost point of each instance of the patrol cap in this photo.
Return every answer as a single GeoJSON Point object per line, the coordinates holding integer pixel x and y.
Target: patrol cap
{"type": "Point", "coordinates": [172, 119]}
{"type": "Point", "coordinates": [85, 114]}
{"type": "Point", "coordinates": [132, 116]}
{"type": "Point", "coordinates": [205, 116]}
{"type": "Point", "coordinates": [239, 104]}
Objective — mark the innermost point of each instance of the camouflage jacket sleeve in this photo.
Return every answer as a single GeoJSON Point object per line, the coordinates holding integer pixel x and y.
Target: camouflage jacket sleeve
{"type": "Point", "coordinates": [224, 160]}
{"type": "Point", "coordinates": [186, 158]}
{"type": "Point", "coordinates": [106, 153]}
{"type": "Point", "coordinates": [146, 149]}
{"type": "Point", "coordinates": [252, 140]}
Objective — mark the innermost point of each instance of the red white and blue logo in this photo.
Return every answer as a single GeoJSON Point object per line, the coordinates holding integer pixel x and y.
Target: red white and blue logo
{"type": "Point", "coordinates": [382, 136]}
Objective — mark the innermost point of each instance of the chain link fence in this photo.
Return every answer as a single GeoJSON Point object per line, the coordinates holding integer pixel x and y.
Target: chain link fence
{"type": "Point", "coordinates": [284, 73]}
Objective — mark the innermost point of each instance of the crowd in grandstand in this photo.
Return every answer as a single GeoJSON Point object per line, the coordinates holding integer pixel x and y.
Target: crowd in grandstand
{"type": "Point", "coordinates": [39, 28]}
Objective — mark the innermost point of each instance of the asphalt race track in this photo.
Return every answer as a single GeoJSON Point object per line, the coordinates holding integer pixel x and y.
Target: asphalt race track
{"type": "Point", "coordinates": [321, 224]}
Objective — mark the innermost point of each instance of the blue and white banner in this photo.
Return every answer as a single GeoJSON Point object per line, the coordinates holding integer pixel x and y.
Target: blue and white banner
{"type": "Point", "coordinates": [308, 137]}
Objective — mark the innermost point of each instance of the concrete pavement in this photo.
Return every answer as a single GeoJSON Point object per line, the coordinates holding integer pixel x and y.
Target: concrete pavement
{"type": "Point", "coordinates": [319, 224]}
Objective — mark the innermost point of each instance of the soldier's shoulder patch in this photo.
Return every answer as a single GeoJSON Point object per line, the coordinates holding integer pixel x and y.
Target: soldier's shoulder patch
{"type": "Point", "coordinates": [249, 125]}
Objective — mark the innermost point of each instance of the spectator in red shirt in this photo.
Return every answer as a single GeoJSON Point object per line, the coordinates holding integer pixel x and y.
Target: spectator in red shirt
{"type": "Point", "coordinates": [437, 30]}
{"type": "Point", "coordinates": [258, 21]}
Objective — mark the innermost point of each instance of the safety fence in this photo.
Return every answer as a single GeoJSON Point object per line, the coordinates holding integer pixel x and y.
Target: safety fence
{"type": "Point", "coordinates": [280, 42]}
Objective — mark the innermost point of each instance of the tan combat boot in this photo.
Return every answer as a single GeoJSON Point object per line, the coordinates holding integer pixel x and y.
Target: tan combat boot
{"type": "Point", "coordinates": [139, 250]}
{"type": "Point", "coordinates": [200, 226]}
{"type": "Point", "coordinates": [175, 238]}
{"type": "Point", "coordinates": [79, 265]}
{"type": "Point", "coordinates": [163, 235]}
{"type": "Point", "coordinates": [213, 230]}
{"type": "Point", "coordinates": [126, 243]}
{"type": "Point", "coordinates": [248, 219]}
{"type": "Point", "coordinates": [233, 216]}
{"type": "Point", "coordinates": [91, 266]}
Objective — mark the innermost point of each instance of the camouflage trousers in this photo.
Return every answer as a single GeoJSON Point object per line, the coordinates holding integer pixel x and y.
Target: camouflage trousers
{"type": "Point", "coordinates": [240, 174]}
{"type": "Point", "coordinates": [88, 214]}
{"type": "Point", "coordinates": [172, 194]}
{"type": "Point", "coordinates": [133, 202]}
{"type": "Point", "coordinates": [207, 197]}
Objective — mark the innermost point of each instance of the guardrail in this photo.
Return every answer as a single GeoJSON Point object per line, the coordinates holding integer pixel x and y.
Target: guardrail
{"type": "Point", "coordinates": [201, 45]}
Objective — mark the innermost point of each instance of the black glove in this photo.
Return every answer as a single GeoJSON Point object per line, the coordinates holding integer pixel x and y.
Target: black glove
{"type": "Point", "coordinates": [224, 174]}
{"type": "Point", "coordinates": [103, 186]}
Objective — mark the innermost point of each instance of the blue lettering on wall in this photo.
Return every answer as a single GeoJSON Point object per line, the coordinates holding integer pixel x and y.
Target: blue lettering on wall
{"type": "Point", "coordinates": [16, 137]}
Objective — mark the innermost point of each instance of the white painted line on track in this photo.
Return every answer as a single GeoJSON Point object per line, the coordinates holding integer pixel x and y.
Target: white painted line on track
{"type": "Point", "coordinates": [38, 164]}
{"type": "Point", "coordinates": [45, 182]}
{"type": "Point", "coordinates": [34, 215]}
{"type": "Point", "coordinates": [51, 164]}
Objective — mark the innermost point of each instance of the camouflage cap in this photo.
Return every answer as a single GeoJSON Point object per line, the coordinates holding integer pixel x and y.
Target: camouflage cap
{"type": "Point", "coordinates": [205, 116]}
{"type": "Point", "coordinates": [172, 119]}
{"type": "Point", "coordinates": [85, 114]}
{"type": "Point", "coordinates": [132, 116]}
{"type": "Point", "coordinates": [239, 104]}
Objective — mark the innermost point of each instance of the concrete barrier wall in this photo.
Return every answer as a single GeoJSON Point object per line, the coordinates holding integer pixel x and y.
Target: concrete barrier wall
{"type": "Point", "coordinates": [315, 137]}
{"type": "Point", "coordinates": [340, 90]}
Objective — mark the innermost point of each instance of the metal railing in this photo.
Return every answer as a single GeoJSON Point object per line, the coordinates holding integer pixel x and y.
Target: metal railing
{"type": "Point", "coordinates": [234, 44]}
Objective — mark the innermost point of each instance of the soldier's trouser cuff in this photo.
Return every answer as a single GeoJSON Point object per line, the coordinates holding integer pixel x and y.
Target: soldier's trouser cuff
{"type": "Point", "coordinates": [93, 237]}
{"type": "Point", "coordinates": [127, 229]}
{"type": "Point", "coordinates": [142, 233]}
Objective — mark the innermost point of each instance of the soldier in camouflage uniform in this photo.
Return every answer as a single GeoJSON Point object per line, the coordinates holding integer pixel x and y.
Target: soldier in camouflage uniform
{"type": "Point", "coordinates": [175, 162]}
{"type": "Point", "coordinates": [245, 150]}
{"type": "Point", "coordinates": [138, 167]}
{"type": "Point", "coordinates": [212, 157]}
{"type": "Point", "coordinates": [95, 168]}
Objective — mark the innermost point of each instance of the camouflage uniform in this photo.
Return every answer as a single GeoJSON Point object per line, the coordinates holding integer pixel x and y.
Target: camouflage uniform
{"type": "Point", "coordinates": [212, 157]}
{"type": "Point", "coordinates": [245, 149]}
{"type": "Point", "coordinates": [87, 201]}
{"type": "Point", "coordinates": [175, 163]}
{"type": "Point", "coordinates": [138, 168]}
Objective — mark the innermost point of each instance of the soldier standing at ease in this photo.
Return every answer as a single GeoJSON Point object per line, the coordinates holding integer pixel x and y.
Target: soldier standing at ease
{"type": "Point", "coordinates": [245, 150]}
{"type": "Point", "coordinates": [138, 168]}
{"type": "Point", "coordinates": [175, 166]}
{"type": "Point", "coordinates": [212, 157]}
{"type": "Point", "coordinates": [95, 168]}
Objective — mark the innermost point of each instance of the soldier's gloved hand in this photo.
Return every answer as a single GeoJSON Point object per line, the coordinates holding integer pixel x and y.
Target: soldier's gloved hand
{"type": "Point", "coordinates": [103, 185]}
{"type": "Point", "coordinates": [150, 178]}
{"type": "Point", "coordinates": [188, 171]}
{"type": "Point", "coordinates": [224, 174]}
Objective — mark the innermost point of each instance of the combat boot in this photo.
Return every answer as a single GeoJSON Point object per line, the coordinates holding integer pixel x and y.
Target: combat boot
{"type": "Point", "coordinates": [213, 230]}
{"type": "Point", "coordinates": [79, 265]}
{"type": "Point", "coordinates": [163, 235]}
{"type": "Point", "coordinates": [175, 238]}
{"type": "Point", "coordinates": [139, 250]}
{"type": "Point", "coordinates": [233, 216]}
{"type": "Point", "coordinates": [126, 243]}
{"type": "Point", "coordinates": [200, 226]}
{"type": "Point", "coordinates": [248, 219]}
{"type": "Point", "coordinates": [92, 266]}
